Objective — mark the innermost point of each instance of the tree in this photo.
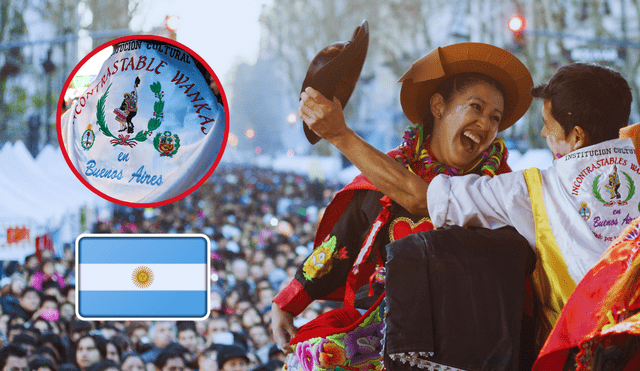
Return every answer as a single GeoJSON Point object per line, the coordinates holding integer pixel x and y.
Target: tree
{"type": "Point", "coordinates": [599, 24]}
{"type": "Point", "coordinates": [110, 15]}
{"type": "Point", "coordinates": [404, 30]}
{"type": "Point", "coordinates": [12, 27]}
{"type": "Point", "coordinates": [296, 30]}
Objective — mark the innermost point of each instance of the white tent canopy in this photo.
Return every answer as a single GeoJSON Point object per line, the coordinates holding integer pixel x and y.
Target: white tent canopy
{"type": "Point", "coordinates": [40, 194]}
{"type": "Point", "coordinates": [43, 190]}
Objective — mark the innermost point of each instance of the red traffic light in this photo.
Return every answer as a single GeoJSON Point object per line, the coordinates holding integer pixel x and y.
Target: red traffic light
{"type": "Point", "coordinates": [171, 22]}
{"type": "Point", "coordinates": [516, 23]}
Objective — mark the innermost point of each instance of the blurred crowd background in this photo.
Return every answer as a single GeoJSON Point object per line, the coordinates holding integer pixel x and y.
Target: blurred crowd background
{"type": "Point", "coordinates": [261, 225]}
{"type": "Point", "coordinates": [260, 222]}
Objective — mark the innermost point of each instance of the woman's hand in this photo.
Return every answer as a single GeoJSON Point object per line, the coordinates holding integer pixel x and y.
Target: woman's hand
{"type": "Point", "coordinates": [326, 119]}
{"type": "Point", "coordinates": [282, 327]}
{"type": "Point", "coordinates": [323, 116]}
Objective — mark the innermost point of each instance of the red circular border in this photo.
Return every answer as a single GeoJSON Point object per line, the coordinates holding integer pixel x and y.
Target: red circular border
{"type": "Point", "coordinates": [59, 123]}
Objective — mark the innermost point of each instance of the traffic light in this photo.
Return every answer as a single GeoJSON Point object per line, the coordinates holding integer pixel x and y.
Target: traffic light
{"type": "Point", "coordinates": [171, 22]}
{"type": "Point", "coordinates": [516, 24]}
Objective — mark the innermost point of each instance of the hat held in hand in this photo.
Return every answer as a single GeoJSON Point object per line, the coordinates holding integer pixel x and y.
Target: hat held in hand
{"type": "Point", "coordinates": [336, 69]}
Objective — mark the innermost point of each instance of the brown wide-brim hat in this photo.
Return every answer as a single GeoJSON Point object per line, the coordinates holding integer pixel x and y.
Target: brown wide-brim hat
{"type": "Point", "coordinates": [424, 76]}
{"type": "Point", "coordinates": [336, 69]}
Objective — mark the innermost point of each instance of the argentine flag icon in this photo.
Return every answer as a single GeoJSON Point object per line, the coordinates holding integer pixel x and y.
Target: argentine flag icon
{"type": "Point", "coordinates": [142, 276]}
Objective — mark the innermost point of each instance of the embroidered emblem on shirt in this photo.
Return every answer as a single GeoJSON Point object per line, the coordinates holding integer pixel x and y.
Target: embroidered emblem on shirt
{"type": "Point", "coordinates": [88, 137]}
{"type": "Point", "coordinates": [130, 110]}
{"type": "Point", "coordinates": [166, 144]}
{"type": "Point", "coordinates": [613, 187]}
{"type": "Point", "coordinates": [614, 184]}
{"type": "Point", "coordinates": [585, 212]}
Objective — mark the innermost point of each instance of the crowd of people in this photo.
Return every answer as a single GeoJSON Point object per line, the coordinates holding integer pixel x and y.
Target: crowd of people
{"type": "Point", "coordinates": [261, 225]}
{"type": "Point", "coordinates": [445, 201]}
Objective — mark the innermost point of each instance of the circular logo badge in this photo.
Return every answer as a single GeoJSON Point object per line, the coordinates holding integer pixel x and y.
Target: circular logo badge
{"type": "Point", "coordinates": [148, 125]}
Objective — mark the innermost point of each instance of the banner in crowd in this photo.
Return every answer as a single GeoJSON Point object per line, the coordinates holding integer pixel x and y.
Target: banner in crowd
{"type": "Point", "coordinates": [16, 239]}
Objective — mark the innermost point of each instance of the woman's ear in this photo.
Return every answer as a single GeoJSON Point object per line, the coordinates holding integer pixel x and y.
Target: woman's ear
{"type": "Point", "coordinates": [579, 138]}
{"type": "Point", "coordinates": [437, 105]}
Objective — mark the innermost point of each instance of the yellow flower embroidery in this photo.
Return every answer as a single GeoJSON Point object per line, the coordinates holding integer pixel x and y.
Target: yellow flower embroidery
{"type": "Point", "coordinates": [320, 262]}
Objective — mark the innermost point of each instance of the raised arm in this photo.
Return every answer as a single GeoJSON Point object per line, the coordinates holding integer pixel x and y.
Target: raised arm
{"type": "Point", "coordinates": [326, 119]}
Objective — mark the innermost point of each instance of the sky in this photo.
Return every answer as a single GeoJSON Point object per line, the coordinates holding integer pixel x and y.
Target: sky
{"type": "Point", "coordinates": [222, 32]}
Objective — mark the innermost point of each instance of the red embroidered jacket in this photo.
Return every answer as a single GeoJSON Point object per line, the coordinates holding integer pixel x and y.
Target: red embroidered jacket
{"type": "Point", "coordinates": [342, 233]}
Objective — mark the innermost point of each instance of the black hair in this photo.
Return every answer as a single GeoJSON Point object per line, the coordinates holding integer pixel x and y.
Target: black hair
{"type": "Point", "coordinates": [43, 349]}
{"type": "Point", "coordinates": [101, 344]}
{"type": "Point", "coordinates": [66, 289]}
{"type": "Point", "coordinates": [272, 365]}
{"type": "Point", "coordinates": [103, 365]}
{"type": "Point", "coordinates": [15, 327]}
{"type": "Point", "coordinates": [32, 331]}
{"type": "Point", "coordinates": [178, 348]}
{"type": "Point", "coordinates": [24, 339]}
{"type": "Point", "coordinates": [45, 297]}
{"type": "Point", "coordinates": [68, 367]}
{"type": "Point", "coordinates": [593, 97]}
{"type": "Point", "coordinates": [27, 290]}
{"type": "Point", "coordinates": [53, 339]}
{"type": "Point", "coordinates": [254, 308]}
{"type": "Point", "coordinates": [122, 342]}
{"type": "Point", "coordinates": [48, 284]}
{"type": "Point", "coordinates": [77, 325]}
{"type": "Point", "coordinates": [186, 325]}
{"type": "Point", "coordinates": [274, 350]}
{"type": "Point", "coordinates": [99, 341]}
{"type": "Point", "coordinates": [11, 350]}
{"type": "Point", "coordinates": [41, 361]}
{"type": "Point", "coordinates": [40, 319]}
{"type": "Point", "coordinates": [47, 260]}
{"type": "Point", "coordinates": [130, 355]}
{"type": "Point", "coordinates": [454, 85]}
{"type": "Point", "coordinates": [167, 354]}
{"type": "Point", "coordinates": [227, 352]}
{"type": "Point", "coordinates": [118, 347]}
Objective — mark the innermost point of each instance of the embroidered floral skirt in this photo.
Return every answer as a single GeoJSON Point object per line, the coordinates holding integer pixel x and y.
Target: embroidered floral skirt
{"type": "Point", "coordinates": [454, 301]}
{"type": "Point", "coordinates": [359, 347]}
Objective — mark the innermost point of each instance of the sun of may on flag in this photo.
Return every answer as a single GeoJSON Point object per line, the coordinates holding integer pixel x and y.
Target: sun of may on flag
{"type": "Point", "coordinates": [135, 276]}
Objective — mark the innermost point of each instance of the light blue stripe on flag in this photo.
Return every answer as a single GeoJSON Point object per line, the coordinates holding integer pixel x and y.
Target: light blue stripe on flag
{"type": "Point", "coordinates": [142, 276]}
{"type": "Point", "coordinates": [149, 250]}
{"type": "Point", "coordinates": [129, 304]}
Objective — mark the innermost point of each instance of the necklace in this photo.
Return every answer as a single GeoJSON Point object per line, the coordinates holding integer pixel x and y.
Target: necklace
{"type": "Point", "coordinates": [416, 155]}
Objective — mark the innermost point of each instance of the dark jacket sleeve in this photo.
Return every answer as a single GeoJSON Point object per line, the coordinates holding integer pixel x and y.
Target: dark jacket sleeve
{"type": "Point", "coordinates": [327, 267]}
